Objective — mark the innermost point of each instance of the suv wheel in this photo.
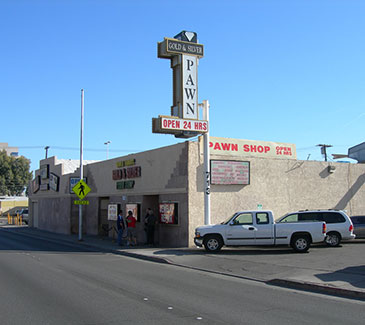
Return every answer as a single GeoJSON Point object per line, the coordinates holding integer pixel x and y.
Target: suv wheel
{"type": "Point", "coordinates": [333, 239]}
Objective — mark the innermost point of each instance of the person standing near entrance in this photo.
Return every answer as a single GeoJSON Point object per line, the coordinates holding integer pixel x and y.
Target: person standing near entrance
{"type": "Point", "coordinates": [150, 222]}
{"type": "Point", "coordinates": [131, 224]}
{"type": "Point", "coordinates": [121, 226]}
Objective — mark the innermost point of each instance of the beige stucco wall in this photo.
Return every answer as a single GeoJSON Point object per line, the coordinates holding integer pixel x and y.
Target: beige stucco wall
{"type": "Point", "coordinates": [163, 179]}
{"type": "Point", "coordinates": [279, 185]}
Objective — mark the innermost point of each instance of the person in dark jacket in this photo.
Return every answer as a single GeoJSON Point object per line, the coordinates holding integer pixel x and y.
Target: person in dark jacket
{"type": "Point", "coordinates": [150, 222]}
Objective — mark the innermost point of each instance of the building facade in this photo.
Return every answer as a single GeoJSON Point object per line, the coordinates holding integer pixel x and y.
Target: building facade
{"type": "Point", "coordinates": [245, 174]}
{"type": "Point", "coordinates": [10, 151]}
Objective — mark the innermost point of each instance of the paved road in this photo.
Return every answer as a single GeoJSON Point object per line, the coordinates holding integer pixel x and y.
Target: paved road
{"type": "Point", "coordinates": [49, 282]}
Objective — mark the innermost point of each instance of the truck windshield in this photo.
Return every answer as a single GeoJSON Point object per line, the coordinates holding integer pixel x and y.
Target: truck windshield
{"type": "Point", "coordinates": [228, 220]}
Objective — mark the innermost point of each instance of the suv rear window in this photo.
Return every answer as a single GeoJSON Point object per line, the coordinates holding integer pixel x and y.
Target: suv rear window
{"type": "Point", "coordinates": [310, 216]}
{"type": "Point", "coordinates": [333, 217]}
{"type": "Point", "coordinates": [328, 217]}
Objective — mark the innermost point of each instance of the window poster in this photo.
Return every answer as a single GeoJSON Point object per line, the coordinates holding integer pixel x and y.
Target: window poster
{"type": "Point", "coordinates": [112, 212]}
{"type": "Point", "coordinates": [168, 213]}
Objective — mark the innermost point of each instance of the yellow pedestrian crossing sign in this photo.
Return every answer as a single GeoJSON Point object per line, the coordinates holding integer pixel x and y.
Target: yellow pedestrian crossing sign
{"type": "Point", "coordinates": [81, 189]}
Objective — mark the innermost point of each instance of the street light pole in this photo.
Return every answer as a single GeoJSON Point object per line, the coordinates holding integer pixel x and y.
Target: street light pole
{"type": "Point", "coordinates": [107, 149]}
{"type": "Point", "coordinates": [81, 159]}
{"type": "Point", "coordinates": [46, 148]}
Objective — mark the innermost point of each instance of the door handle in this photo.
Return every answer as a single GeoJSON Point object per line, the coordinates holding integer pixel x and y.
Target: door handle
{"type": "Point", "coordinates": [251, 228]}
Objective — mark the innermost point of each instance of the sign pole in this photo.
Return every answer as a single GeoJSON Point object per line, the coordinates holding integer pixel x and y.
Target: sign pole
{"type": "Point", "coordinates": [206, 166]}
{"type": "Point", "coordinates": [81, 162]}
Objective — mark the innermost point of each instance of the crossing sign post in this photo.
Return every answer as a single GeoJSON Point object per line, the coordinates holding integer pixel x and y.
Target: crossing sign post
{"type": "Point", "coordinates": [81, 189]}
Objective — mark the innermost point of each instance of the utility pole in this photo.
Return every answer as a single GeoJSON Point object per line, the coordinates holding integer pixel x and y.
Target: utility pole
{"type": "Point", "coordinates": [324, 149]}
{"type": "Point", "coordinates": [206, 107]}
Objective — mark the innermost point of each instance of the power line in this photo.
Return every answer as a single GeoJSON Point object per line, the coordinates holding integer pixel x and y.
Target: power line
{"type": "Point", "coordinates": [77, 149]}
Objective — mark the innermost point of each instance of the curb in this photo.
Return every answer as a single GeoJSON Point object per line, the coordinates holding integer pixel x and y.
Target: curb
{"type": "Point", "coordinates": [128, 254]}
{"type": "Point", "coordinates": [318, 288]}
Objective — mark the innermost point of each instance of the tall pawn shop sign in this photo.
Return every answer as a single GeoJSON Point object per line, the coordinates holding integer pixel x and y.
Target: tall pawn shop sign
{"type": "Point", "coordinates": [184, 53]}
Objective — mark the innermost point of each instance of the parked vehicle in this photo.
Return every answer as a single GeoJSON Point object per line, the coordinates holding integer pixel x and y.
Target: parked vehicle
{"type": "Point", "coordinates": [13, 211]}
{"type": "Point", "coordinates": [259, 228]}
{"type": "Point", "coordinates": [339, 224]}
{"type": "Point", "coordinates": [359, 226]}
{"type": "Point", "coordinates": [24, 214]}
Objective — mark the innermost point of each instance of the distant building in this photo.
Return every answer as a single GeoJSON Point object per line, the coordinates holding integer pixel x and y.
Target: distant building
{"type": "Point", "coordinates": [10, 151]}
{"type": "Point", "coordinates": [9, 202]}
{"type": "Point", "coordinates": [357, 152]}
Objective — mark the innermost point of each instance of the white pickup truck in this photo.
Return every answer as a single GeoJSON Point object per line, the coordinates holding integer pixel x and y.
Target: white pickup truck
{"type": "Point", "coordinates": [259, 228]}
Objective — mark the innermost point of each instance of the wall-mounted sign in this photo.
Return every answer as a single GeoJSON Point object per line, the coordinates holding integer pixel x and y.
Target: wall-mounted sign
{"type": "Point", "coordinates": [250, 148]}
{"type": "Point", "coordinates": [125, 173]}
{"type": "Point", "coordinates": [112, 212]}
{"type": "Point", "coordinates": [125, 185]}
{"type": "Point", "coordinates": [126, 163]}
{"type": "Point", "coordinates": [228, 172]}
{"type": "Point", "coordinates": [54, 182]}
{"type": "Point", "coordinates": [44, 187]}
{"type": "Point", "coordinates": [44, 171]}
{"type": "Point", "coordinates": [36, 183]}
{"type": "Point", "coordinates": [74, 181]}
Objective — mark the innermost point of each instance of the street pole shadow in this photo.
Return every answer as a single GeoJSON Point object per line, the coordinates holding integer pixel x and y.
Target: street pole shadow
{"type": "Point", "coordinates": [228, 251]}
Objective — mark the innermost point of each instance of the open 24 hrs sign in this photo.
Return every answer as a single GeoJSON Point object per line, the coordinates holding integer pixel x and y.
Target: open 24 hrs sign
{"type": "Point", "coordinates": [176, 124]}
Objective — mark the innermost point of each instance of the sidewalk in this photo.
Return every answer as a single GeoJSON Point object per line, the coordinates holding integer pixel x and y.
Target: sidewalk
{"type": "Point", "coordinates": [331, 271]}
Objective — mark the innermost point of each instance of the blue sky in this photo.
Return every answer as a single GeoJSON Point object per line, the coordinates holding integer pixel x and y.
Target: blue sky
{"type": "Point", "coordinates": [276, 70]}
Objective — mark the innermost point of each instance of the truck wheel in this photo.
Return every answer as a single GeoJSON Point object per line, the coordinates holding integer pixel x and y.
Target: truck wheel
{"type": "Point", "coordinates": [213, 243]}
{"type": "Point", "coordinates": [300, 243]}
{"type": "Point", "coordinates": [333, 239]}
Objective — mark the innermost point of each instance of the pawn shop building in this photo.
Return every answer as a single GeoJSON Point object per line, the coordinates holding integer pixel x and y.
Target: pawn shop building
{"type": "Point", "coordinates": [245, 174]}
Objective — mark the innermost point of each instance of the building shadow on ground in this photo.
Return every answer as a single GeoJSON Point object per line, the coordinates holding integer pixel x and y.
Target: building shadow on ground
{"type": "Point", "coordinates": [354, 275]}
{"type": "Point", "coordinates": [19, 239]}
